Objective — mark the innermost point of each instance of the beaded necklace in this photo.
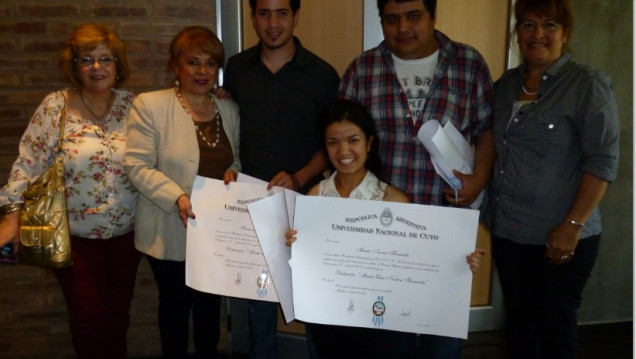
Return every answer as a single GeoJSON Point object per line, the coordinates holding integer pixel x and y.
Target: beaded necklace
{"type": "Point", "coordinates": [217, 118]}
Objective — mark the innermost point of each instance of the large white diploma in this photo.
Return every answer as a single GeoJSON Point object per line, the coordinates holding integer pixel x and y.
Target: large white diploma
{"type": "Point", "coordinates": [223, 254]}
{"type": "Point", "coordinates": [383, 265]}
{"type": "Point", "coordinates": [272, 217]}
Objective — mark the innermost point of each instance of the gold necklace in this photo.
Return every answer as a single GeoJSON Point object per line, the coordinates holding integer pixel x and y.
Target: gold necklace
{"type": "Point", "coordinates": [98, 119]}
{"type": "Point", "coordinates": [217, 118]}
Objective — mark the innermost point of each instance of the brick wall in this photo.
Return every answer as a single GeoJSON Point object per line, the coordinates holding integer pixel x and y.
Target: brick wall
{"type": "Point", "coordinates": [32, 310]}
{"type": "Point", "coordinates": [33, 32]}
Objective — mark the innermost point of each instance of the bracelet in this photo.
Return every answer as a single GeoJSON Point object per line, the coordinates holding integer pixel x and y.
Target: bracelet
{"type": "Point", "coordinates": [571, 221]}
{"type": "Point", "coordinates": [10, 208]}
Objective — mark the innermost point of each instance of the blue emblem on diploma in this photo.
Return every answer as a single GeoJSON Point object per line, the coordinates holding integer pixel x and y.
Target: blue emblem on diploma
{"type": "Point", "coordinates": [262, 283]}
{"type": "Point", "coordinates": [378, 311]}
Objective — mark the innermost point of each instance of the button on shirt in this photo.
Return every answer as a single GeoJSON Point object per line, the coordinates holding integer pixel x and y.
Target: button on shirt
{"type": "Point", "coordinates": [544, 148]}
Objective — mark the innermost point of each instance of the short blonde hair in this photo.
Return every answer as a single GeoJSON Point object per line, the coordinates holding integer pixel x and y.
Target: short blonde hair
{"type": "Point", "coordinates": [87, 37]}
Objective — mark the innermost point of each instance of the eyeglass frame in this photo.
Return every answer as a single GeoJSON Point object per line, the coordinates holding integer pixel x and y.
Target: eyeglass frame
{"type": "Point", "coordinates": [101, 60]}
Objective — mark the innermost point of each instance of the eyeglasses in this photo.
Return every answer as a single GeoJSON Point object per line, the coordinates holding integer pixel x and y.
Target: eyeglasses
{"type": "Point", "coordinates": [547, 26]}
{"type": "Point", "coordinates": [90, 61]}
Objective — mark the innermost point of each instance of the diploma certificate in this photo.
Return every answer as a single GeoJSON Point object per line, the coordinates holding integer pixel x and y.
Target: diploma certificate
{"type": "Point", "coordinates": [223, 254]}
{"type": "Point", "coordinates": [383, 265]}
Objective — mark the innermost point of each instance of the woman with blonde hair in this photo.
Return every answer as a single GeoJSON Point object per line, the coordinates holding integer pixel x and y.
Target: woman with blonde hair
{"type": "Point", "coordinates": [101, 201]}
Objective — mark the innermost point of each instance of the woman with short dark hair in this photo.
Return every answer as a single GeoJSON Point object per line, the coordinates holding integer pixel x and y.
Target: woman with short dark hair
{"type": "Point", "coordinates": [556, 134]}
{"type": "Point", "coordinates": [176, 134]}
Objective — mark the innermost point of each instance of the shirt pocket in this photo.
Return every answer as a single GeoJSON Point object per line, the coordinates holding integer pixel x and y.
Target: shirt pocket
{"type": "Point", "coordinates": [454, 106]}
{"type": "Point", "coordinates": [548, 136]}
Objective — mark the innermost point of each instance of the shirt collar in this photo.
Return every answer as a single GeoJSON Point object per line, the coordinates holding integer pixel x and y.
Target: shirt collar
{"type": "Point", "coordinates": [553, 70]}
{"type": "Point", "coordinates": [300, 56]}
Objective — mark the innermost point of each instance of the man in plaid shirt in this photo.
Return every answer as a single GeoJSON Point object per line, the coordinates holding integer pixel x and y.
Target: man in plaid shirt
{"type": "Point", "coordinates": [418, 74]}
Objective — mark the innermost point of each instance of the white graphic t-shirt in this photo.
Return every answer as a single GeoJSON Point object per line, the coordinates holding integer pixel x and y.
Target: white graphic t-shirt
{"type": "Point", "coordinates": [415, 77]}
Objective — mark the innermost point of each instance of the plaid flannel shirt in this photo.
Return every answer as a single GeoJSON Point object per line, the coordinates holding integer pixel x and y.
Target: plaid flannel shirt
{"type": "Point", "coordinates": [461, 92]}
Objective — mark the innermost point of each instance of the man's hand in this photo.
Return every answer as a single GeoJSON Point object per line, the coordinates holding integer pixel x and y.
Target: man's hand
{"type": "Point", "coordinates": [471, 187]}
{"type": "Point", "coordinates": [285, 180]}
{"type": "Point", "coordinates": [222, 93]}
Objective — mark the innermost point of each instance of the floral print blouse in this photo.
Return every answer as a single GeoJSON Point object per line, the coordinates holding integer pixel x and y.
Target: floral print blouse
{"type": "Point", "coordinates": [101, 201]}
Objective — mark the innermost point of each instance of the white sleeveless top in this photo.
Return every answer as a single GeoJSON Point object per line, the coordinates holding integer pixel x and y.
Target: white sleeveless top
{"type": "Point", "coordinates": [371, 188]}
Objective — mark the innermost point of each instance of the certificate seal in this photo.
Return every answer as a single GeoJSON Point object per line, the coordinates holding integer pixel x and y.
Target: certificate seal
{"type": "Point", "coordinates": [378, 308]}
{"type": "Point", "coordinates": [378, 311]}
{"type": "Point", "coordinates": [386, 217]}
{"type": "Point", "coordinates": [263, 280]}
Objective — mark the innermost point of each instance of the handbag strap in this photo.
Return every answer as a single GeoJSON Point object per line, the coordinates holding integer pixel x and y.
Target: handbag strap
{"type": "Point", "coordinates": [62, 124]}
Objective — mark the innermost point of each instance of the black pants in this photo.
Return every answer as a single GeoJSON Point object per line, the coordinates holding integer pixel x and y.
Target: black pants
{"type": "Point", "coordinates": [176, 300]}
{"type": "Point", "coordinates": [336, 342]}
{"type": "Point", "coordinates": [541, 299]}
{"type": "Point", "coordinates": [263, 320]}
{"type": "Point", "coordinates": [339, 342]}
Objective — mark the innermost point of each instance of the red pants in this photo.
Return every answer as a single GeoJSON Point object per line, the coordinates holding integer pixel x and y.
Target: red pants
{"type": "Point", "coordinates": [98, 290]}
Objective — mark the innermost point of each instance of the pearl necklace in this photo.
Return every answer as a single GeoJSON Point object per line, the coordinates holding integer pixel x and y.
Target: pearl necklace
{"type": "Point", "coordinates": [217, 118]}
{"type": "Point", "coordinates": [528, 92]}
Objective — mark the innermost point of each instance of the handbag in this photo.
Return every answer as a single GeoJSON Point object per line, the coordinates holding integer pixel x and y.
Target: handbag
{"type": "Point", "coordinates": [44, 232]}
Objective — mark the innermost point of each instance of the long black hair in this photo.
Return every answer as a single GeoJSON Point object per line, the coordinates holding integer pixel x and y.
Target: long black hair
{"type": "Point", "coordinates": [347, 110]}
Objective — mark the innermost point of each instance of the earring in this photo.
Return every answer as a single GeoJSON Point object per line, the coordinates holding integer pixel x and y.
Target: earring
{"type": "Point", "coordinates": [177, 83]}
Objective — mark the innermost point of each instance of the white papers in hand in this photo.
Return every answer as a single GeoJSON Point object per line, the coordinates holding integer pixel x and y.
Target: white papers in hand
{"type": "Point", "coordinates": [223, 254]}
{"type": "Point", "coordinates": [448, 149]}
